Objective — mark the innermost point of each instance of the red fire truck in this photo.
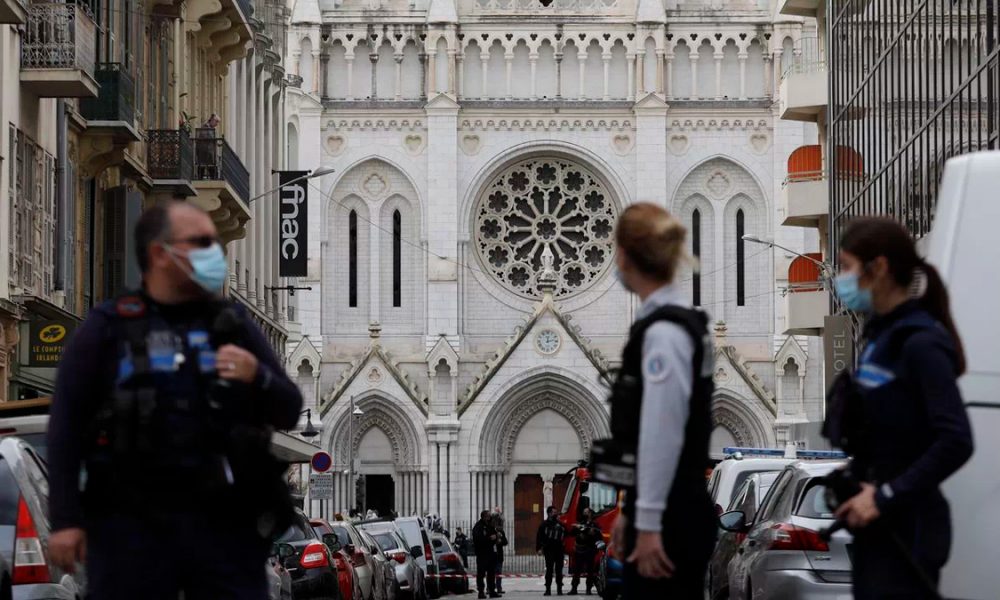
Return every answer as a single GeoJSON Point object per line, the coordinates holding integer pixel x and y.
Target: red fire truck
{"type": "Point", "coordinates": [599, 497]}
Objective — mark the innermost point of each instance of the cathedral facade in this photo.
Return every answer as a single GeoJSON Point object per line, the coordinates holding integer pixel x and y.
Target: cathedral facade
{"type": "Point", "coordinates": [463, 315]}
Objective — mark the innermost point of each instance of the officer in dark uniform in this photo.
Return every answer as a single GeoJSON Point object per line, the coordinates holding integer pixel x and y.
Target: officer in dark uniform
{"type": "Point", "coordinates": [900, 414]}
{"type": "Point", "coordinates": [484, 540]}
{"type": "Point", "coordinates": [587, 535]}
{"type": "Point", "coordinates": [166, 398]}
{"type": "Point", "coordinates": [661, 417]}
{"type": "Point", "coordinates": [549, 543]}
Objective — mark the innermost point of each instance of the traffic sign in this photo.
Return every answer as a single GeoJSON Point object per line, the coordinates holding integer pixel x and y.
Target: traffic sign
{"type": "Point", "coordinates": [321, 462]}
{"type": "Point", "coordinates": [321, 486]}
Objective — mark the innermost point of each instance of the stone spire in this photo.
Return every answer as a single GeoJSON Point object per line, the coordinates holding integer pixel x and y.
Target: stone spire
{"type": "Point", "coordinates": [650, 11]}
{"type": "Point", "coordinates": [442, 11]}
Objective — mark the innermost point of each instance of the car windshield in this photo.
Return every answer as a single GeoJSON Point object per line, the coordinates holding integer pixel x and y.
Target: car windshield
{"type": "Point", "coordinates": [812, 504]}
{"type": "Point", "coordinates": [601, 497]}
{"type": "Point", "coordinates": [441, 545]}
{"type": "Point", "coordinates": [743, 476]}
{"type": "Point", "coordinates": [386, 541]}
{"type": "Point", "coordinates": [297, 533]}
{"type": "Point", "coordinates": [411, 531]}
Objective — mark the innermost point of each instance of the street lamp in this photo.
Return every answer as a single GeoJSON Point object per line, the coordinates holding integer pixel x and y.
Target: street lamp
{"type": "Point", "coordinates": [355, 412]}
{"type": "Point", "coordinates": [317, 173]}
{"type": "Point", "coordinates": [824, 267]}
{"type": "Point", "coordinates": [309, 431]}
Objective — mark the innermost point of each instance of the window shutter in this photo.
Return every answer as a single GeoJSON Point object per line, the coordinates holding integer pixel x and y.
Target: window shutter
{"type": "Point", "coordinates": [121, 211]}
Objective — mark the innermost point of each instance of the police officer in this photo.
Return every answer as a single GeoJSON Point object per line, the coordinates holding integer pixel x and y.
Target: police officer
{"type": "Point", "coordinates": [461, 544]}
{"type": "Point", "coordinates": [167, 397]}
{"type": "Point", "coordinates": [587, 535]}
{"type": "Point", "coordinates": [662, 400]}
{"type": "Point", "coordinates": [900, 414]}
{"type": "Point", "coordinates": [484, 540]}
{"type": "Point", "coordinates": [501, 544]}
{"type": "Point", "coordinates": [549, 543]}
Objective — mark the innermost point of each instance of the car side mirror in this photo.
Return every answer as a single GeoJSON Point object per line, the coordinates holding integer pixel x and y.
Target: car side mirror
{"type": "Point", "coordinates": [733, 521]}
{"type": "Point", "coordinates": [601, 546]}
{"type": "Point", "coordinates": [330, 541]}
{"type": "Point", "coordinates": [284, 551]}
{"type": "Point", "coordinates": [416, 552]}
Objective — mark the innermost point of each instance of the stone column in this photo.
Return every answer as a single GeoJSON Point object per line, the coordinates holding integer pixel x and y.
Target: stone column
{"type": "Point", "coordinates": [452, 73]}
{"type": "Point", "coordinates": [581, 58]}
{"type": "Point", "coordinates": [630, 90]}
{"type": "Point", "coordinates": [399, 75]}
{"type": "Point", "coordinates": [253, 242]}
{"type": "Point", "coordinates": [459, 74]}
{"type": "Point", "coordinates": [327, 86]}
{"type": "Point", "coordinates": [316, 73]}
{"type": "Point", "coordinates": [659, 71]}
{"type": "Point", "coordinates": [768, 77]}
{"type": "Point", "coordinates": [606, 57]}
{"type": "Point", "coordinates": [484, 57]}
{"type": "Point", "coordinates": [509, 61]}
{"type": "Point", "coordinates": [640, 73]}
{"type": "Point", "coordinates": [349, 60]}
{"type": "Point", "coordinates": [651, 145]}
{"type": "Point", "coordinates": [718, 75]}
{"type": "Point", "coordinates": [443, 202]}
{"type": "Point", "coordinates": [373, 57]}
{"type": "Point", "coordinates": [431, 73]}
{"type": "Point", "coordinates": [694, 74]}
{"type": "Point", "coordinates": [559, 58]}
{"type": "Point", "coordinates": [533, 60]}
{"type": "Point", "coordinates": [669, 83]}
{"type": "Point", "coordinates": [743, 75]}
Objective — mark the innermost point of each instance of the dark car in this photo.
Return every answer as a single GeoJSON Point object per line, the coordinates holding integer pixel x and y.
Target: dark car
{"type": "Point", "coordinates": [610, 574]}
{"type": "Point", "coordinates": [24, 527]}
{"type": "Point", "coordinates": [347, 577]}
{"type": "Point", "coordinates": [748, 498]}
{"type": "Point", "coordinates": [454, 578]}
{"type": "Point", "coordinates": [309, 561]}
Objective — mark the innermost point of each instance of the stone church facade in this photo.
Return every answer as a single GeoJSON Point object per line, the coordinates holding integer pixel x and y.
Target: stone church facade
{"type": "Point", "coordinates": [460, 257]}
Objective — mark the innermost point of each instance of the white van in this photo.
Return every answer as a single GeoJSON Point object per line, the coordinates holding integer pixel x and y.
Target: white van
{"type": "Point", "coordinates": [964, 247]}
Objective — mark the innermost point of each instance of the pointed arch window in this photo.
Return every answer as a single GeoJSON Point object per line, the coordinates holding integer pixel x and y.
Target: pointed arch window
{"type": "Point", "coordinates": [696, 252]}
{"type": "Point", "coordinates": [740, 259]}
{"type": "Point", "coordinates": [352, 258]}
{"type": "Point", "coordinates": [397, 259]}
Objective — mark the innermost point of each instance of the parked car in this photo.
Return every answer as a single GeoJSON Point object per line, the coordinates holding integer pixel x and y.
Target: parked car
{"type": "Point", "coordinates": [610, 573]}
{"type": "Point", "coordinates": [453, 575]}
{"type": "Point", "coordinates": [279, 581]}
{"type": "Point", "coordinates": [24, 527]}
{"type": "Point", "coordinates": [747, 500]}
{"type": "Point", "coordinates": [28, 428]}
{"type": "Point", "coordinates": [308, 559]}
{"type": "Point", "coordinates": [362, 555]}
{"type": "Point", "coordinates": [383, 569]}
{"type": "Point", "coordinates": [410, 578]}
{"type": "Point", "coordinates": [416, 534]}
{"type": "Point", "coordinates": [347, 578]}
{"type": "Point", "coordinates": [784, 555]}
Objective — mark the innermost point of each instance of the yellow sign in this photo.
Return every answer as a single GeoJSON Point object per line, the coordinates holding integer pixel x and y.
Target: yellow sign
{"type": "Point", "coordinates": [535, 508]}
{"type": "Point", "coordinates": [52, 334]}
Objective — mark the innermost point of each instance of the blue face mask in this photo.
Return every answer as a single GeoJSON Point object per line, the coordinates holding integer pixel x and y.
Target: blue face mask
{"type": "Point", "coordinates": [851, 293]}
{"type": "Point", "coordinates": [208, 267]}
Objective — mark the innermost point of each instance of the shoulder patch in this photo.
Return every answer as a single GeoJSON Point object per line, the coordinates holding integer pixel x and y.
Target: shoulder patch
{"type": "Point", "coordinates": [130, 307]}
{"type": "Point", "coordinates": [655, 367]}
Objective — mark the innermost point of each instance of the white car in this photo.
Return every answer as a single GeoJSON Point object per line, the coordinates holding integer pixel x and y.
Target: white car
{"type": "Point", "coordinates": [729, 475]}
{"type": "Point", "coordinates": [964, 249]}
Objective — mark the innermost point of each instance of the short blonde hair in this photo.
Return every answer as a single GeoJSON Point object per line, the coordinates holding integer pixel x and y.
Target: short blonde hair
{"type": "Point", "coordinates": [652, 239]}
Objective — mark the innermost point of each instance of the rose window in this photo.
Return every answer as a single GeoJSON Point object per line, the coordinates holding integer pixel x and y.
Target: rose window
{"type": "Point", "coordinates": [545, 203]}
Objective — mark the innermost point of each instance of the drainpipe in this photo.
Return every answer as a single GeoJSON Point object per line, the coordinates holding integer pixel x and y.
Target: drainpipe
{"type": "Point", "coordinates": [64, 216]}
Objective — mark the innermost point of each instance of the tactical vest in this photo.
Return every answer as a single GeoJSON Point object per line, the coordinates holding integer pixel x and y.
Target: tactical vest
{"type": "Point", "coordinates": [615, 460]}
{"type": "Point", "coordinates": [159, 436]}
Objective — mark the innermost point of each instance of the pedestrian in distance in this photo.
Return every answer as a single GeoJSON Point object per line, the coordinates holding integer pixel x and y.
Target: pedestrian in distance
{"type": "Point", "coordinates": [461, 543]}
{"type": "Point", "coordinates": [661, 415]}
{"type": "Point", "coordinates": [501, 544]}
{"type": "Point", "coordinates": [168, 396]}
{"type": "Point", "coordinates": [587, 535]}
{"type": "Point", "coordinates": [484, 540]}
{"type": "Point", "coordinates": [900, 414]}
{"type": "Point", "coordinates": [549, 543]}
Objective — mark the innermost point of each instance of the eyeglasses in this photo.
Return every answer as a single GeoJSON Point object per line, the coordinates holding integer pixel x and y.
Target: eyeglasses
{"type": "Point", "coordinates": [198, 241]}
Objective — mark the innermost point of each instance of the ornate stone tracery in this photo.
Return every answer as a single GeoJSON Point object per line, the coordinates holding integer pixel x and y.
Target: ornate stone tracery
{"type": "Point", "coordinates": [542, 203]}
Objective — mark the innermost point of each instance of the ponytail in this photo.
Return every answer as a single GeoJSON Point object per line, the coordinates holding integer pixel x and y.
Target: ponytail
{"type": "Point", "coordinates": [936, 302]}
{"type": "Point", "coordinates": [871, 237]}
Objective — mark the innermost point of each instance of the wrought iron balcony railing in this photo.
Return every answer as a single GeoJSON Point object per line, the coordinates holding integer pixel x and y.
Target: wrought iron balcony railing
{"type": "Point", "coordinates": [58, 36]}
{"type": "Point", "coordinates": [170, 154]}
{"type": "Point", "coordinates": [215, 160]}
{"type": "Point", "coordinates": [116, 100]}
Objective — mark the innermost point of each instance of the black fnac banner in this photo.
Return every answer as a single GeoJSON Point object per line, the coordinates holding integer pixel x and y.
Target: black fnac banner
{"type": "Point", "coordinates": [293, 228]}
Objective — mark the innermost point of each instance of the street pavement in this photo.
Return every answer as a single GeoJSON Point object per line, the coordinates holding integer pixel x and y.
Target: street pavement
{"type": "Point", "coordinates": [522, 589]}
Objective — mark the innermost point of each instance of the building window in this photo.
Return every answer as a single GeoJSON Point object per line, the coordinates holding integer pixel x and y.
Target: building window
{"type": "Point", "coordinates": [352, 258]}
{"type": "Point", "coordinates": [397, 259]}
{"type": "Point", "coordinates": [740, 263]}
{"type": "Point", "coordinates": [696, 252]}
{"type": "Point", "coordinates": [32, 216]}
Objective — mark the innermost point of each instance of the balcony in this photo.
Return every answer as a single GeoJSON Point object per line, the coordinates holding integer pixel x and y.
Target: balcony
{"type": "Point", "coordinates": [807, 302]}
{"type": "Point", "coordinates": [14, 12]}
{"type": "Point", "coordinates": [170, 161]}
{"type": "Point", "coordinates": [805, 194]}
{"type": "Point", "coordinates": [222, 27]}
{"type": "Point", "coordinates": [800, 8]}
{"type": "Point", "coordinates": [803, 91]}
{"type": "Point", "coordinates": [57, 51]}
{"type": "Point", "coordinates": [222, 184]}
{"type": "Point", "coordinates": [112, 113]}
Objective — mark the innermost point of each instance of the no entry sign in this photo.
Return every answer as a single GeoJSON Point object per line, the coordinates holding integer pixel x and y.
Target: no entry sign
{"type": "Point", "coordinates": [321, 462]}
